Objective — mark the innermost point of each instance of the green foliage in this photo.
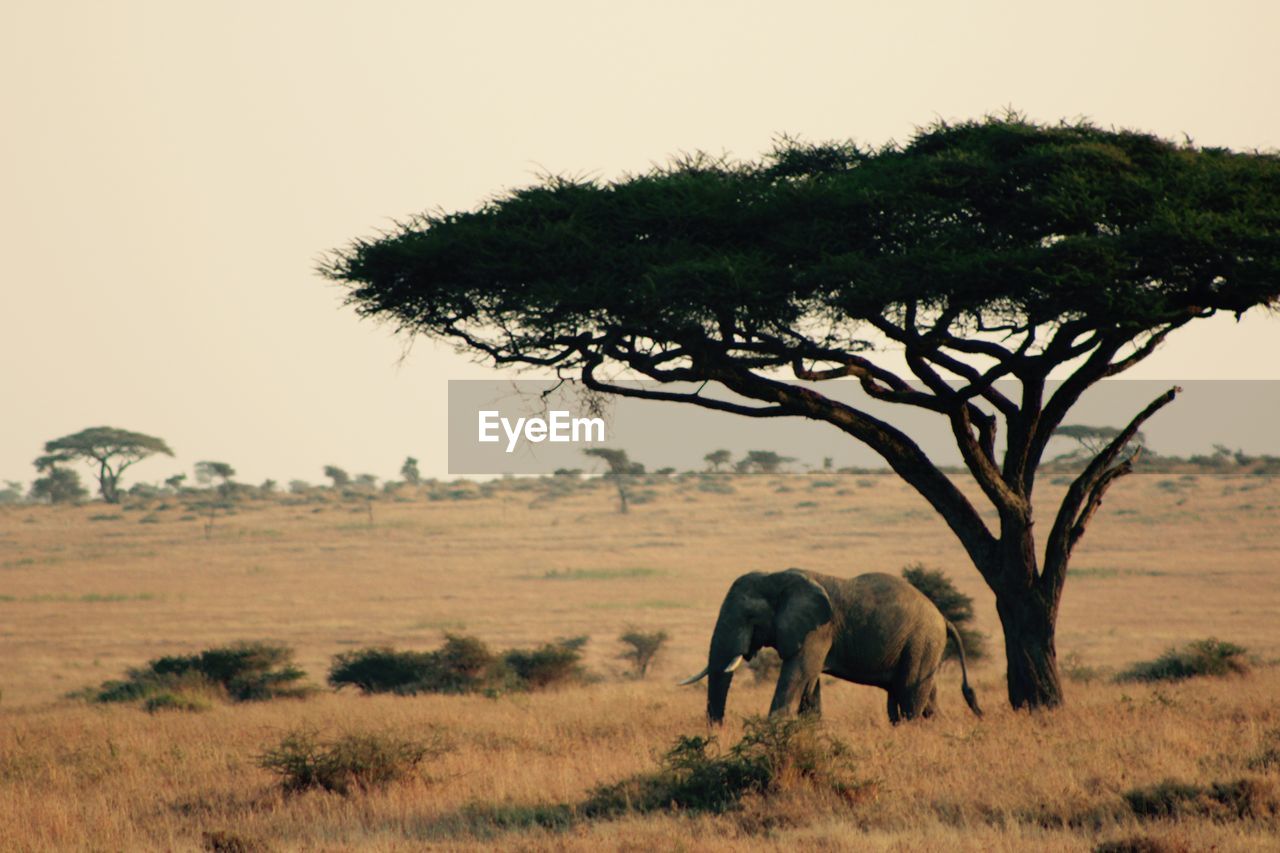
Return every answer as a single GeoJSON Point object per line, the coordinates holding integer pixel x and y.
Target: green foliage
{"type": "Point", "coordinates": [1237, 800]}
{"type": "Point", "coordinates": [643, 648]}
{"type": "Point", "coordinates": [352, 762]}
{"type": "Point", "coordinates": [59, 485]}
{"type": "Point", "coordinates": [955, 606]}
{"type": "Point", "coordinates": [547, 665]}
{"type": "Point", "coordinates": [622, 471]}
{"type": "Point", "coordinates": [761, 462]}
{"type": "Point", "coordinates": [339, 477]}
{"type": "Point", "coordinates": [775, 753]}
{"type": "Point", "coordinates": [462, 665]}
{"type": "Point", "coordinates": [717, 459]}
{"type": "Point", "coordinates": [207, 470]}
{"type": "Point", "coordinates": [1001, 219]}
{"type": "Point", "coordinates": [246, 671]}
{"type": "Point", "coordinates": [1199, 657]}
{"type": "Point", "coordinates": [409, 471]}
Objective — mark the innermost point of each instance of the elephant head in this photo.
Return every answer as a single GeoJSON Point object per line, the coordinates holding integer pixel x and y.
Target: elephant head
{"type": "Point", "coordinates": [782, 610]}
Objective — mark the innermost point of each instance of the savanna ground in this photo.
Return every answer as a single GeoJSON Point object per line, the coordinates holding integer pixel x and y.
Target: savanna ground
{"type": "Point", "coordinates": [86, 592]}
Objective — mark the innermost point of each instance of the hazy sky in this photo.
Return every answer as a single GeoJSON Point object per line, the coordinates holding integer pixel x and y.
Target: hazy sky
{"type": "Point", "coordinates": [171, 172]}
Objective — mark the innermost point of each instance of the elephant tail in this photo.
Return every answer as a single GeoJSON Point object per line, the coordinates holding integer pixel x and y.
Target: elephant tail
{"type": "Point", "coordinates": [970, 697]}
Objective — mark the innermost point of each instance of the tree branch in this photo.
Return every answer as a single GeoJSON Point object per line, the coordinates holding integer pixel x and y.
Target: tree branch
{"type": "Point", "coordinates": [1084, 495]}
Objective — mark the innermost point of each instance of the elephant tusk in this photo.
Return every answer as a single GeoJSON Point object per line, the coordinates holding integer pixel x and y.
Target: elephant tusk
{"type": "Point", "coordinates": [693, 679]}
{"type": "Point", "coordinates": [734, 664]}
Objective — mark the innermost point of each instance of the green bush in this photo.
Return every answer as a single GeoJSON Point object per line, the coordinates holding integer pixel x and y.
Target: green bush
{"type": "Point", "coordinates": [461, 665]}
{"type": "Point", "coordinates": [546, 666]}
{"type": "Point", "coordinates": [362, 761]}
{"type": "Point", "coordinates": [1236, 800]}
{"type": "Point", "coordinates": [954, 605]}
{"type": "Point", "coordinates": [1200, 657]}
{"type": "Point", "coordinates": [242, 672]}
{"type": "Point", "coordinates": [775, 753]}
{"type": "Point", "coordinates": [381, 669]}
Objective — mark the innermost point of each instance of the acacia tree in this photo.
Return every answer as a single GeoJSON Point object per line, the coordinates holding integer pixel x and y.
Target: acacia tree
{"type": "Point", "coordinates": [622, 471]}
{"type": "Point", "coordinates": [111, 450]}
{"type": "Point", "coordinates": [989, 250]}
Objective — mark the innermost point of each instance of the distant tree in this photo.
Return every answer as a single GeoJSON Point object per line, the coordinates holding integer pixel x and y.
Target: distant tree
{"type": "Point", "coordinates": [828, 463]}
{"type": "Point", "coordinates": [1092, 439]}
{"type": "Point", "coordinates": [11, 493]}
{"type": "Point", "coordinates": [622, 471]}
{"type": "Point", "coordinates": [268, 486]}
{"type": "Point", "coordinates": [366, 481]}
{"type": "Point", "coordinates": [206, 471]}
{"type": "Point", "coordinates": [762, 461]}
{"type": "Point", "coordinates": [58, 485]}
{"type": "Point", "coordinates": [111, 450]}
{"type": "Point", "coordinates": [642, 648]}
{"type": "Point", "coordinates": [299, 487]}
{"type": "Point", "coordinates": [717, 459]}
{"type": "Point", "coordinates": [339, 477]}
{"type": "Point", "coordinates": [175, 482]}
{"type": "Point", "coordinates": [409, 471]}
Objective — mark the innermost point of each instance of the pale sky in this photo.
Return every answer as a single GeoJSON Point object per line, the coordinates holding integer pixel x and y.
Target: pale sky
{"type": "Point", "coordinates": [171, 172]}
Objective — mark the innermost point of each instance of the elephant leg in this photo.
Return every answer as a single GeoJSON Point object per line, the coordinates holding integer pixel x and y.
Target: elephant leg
{"type": "Point", "coordinates": [894, 714]}
{"type": "Point", "coordinates": [931, 704]}
{"type": "Point", "coordinates": [799, 673]}
{"type": "Point", "coordinates": [811, 699]}
{"type": "Point", "coordinates": [791, 686]}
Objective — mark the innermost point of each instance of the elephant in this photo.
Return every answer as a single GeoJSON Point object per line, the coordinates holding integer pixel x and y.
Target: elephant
{"type": "Point", "coordinates": [873, 629]}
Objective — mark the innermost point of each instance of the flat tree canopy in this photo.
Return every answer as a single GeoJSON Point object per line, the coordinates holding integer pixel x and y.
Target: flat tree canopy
{"type": "Point", "coordinates": [112, 450]}
{"type": "Point", "coordinates": [984, 250]}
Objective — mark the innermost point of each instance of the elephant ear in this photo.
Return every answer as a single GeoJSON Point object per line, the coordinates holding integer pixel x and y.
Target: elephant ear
{"type": "Point", "coordinates": [802, 608]}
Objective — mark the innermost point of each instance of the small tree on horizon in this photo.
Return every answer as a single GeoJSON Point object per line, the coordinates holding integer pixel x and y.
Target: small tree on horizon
{"type": "Point", "coordinates": [409, 471]}
{"type": "Point", "coordinates": [339, 477]}
{"type": "Point", "coordinates": [110, 449]}
{"type": "Point", "coordinates": [717, 459]}
{"type": "Point", "coordinates": [622, 471]}
{"type": "Point", "coordinates": [761, 461]}
{"type": "Point", "coordinates": [1092, 440]}
{"type": "Point", "coordinates": [643, 647]}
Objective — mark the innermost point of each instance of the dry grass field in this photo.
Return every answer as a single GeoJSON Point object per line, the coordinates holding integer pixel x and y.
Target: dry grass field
{"type": "Point", "coordinates": [1170, 558]}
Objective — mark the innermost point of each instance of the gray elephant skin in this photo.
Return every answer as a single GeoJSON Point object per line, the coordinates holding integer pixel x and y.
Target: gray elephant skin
{"type": "Point", "coordinates": [873, 629]}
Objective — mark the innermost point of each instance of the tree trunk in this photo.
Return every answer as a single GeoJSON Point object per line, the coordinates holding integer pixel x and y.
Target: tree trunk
{"type": "Point", "coordinates": [1028, 619]}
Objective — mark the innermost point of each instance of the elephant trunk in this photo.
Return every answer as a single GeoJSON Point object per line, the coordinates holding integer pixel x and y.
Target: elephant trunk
{"type": "Point", "coordinates": [727, 645]}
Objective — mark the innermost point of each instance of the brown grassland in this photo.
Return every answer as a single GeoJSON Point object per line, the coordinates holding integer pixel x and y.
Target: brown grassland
{"type": "Point", "coordinates": [1169, 559]}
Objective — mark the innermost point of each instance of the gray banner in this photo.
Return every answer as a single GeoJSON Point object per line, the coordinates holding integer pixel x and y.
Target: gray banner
{"type": "Point", "coordinates": [540, 426]}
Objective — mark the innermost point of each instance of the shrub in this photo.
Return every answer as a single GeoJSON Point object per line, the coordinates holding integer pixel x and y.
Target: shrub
{"type": "Point", "coordinates": [644, 647]}
{"type": "Point", "coordinates": [462, 665]}
{"type": "Point", "coordinates": [170, 700]}
{"type": "Point", "coordinates": [954, 605]}
{"type": "Point", "coordinates": [242, 671]}
{"type": "Point", "coordinates": [775, 754]}
{"type": "Point", "coordinates": [1243, 798]}
{"type": "Point", "coordinates": [551, 664]}
{"type": "Point", "coordinates": [380, 669]}
{"type": "Point", "coordinates": [1200, 657]}
{"type": "Point", "coordinates": [353, 761]}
